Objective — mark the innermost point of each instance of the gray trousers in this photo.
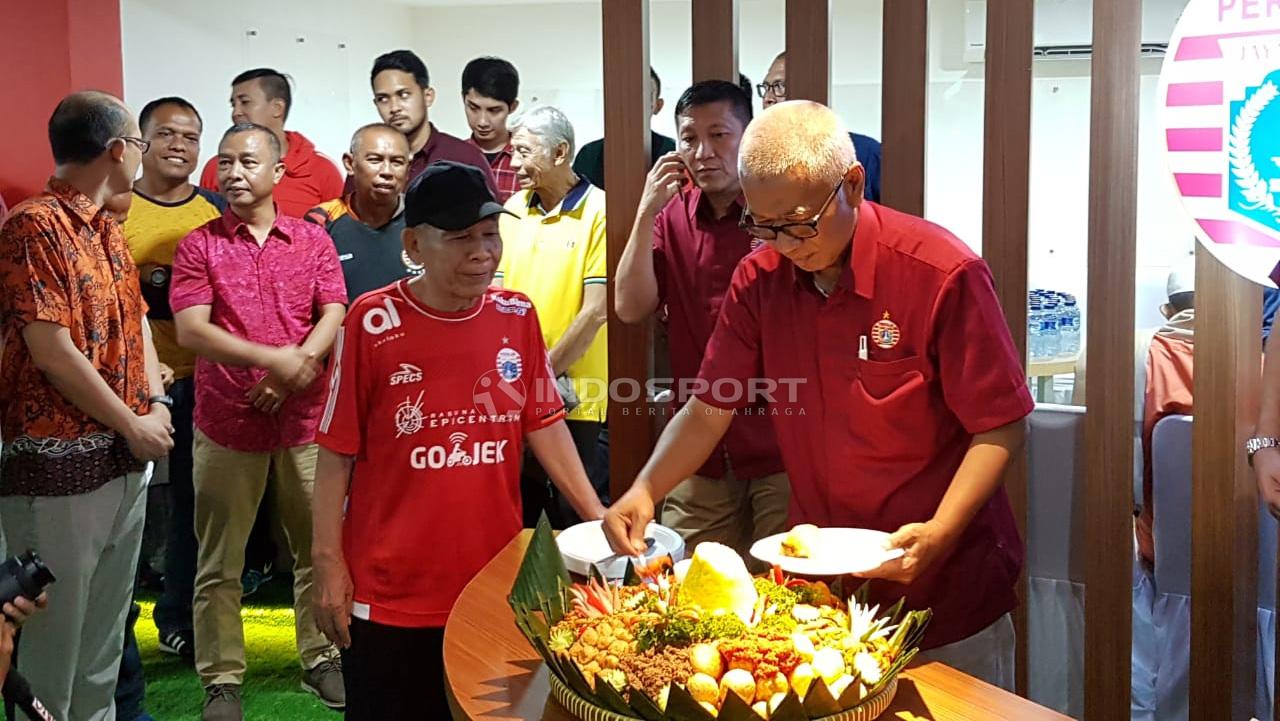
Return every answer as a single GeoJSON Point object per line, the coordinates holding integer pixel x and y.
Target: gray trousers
{"type": "Point", "coordinates": [70, 653]}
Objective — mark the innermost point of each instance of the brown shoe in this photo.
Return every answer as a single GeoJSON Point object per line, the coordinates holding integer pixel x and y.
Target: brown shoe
{"type": "Point", "coordinates": [222, 703]}
{"type": "Point", "coordinates": [325, 682]}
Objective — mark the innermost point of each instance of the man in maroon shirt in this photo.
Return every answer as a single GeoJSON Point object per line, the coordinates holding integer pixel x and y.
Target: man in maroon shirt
{"type": "Point", "coordinates": [258, 297]}
{"type": "Point", "coordinates": [678, 262]}
{"type": "Point", "coordinates": [402, 93]}
{"type": "Point", "coordinates": [893, 385]}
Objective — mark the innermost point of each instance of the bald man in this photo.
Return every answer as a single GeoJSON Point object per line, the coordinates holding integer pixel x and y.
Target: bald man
{"type": "Point", "coordinates": [875, 343]}
{"type": "Point", "coordinates": [774, 90]}
{"type": "Point", "coordinates": [366, 223]}
{"type": "Point", "coordinates": [82, 403]}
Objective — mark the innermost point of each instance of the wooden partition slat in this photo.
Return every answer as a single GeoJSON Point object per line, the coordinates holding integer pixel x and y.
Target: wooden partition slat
{"type": "Point", "coordinates": [1113, 156]}
{"type": "Point", "coordinates": [1006, 168]}
{"type": "Point", "coordinates": [904, 96]}
{"type": "Point", "coordinates": [715, 40]}
{"type": "Point", "coordinates": [1224, 520]}
{"type": "Point", "coordinates": [626, 126]}
{"type": "Point", "coordinates": [809, 50]}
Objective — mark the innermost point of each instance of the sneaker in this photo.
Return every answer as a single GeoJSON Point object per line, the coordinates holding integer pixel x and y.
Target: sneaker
{"type": "Point", "coordinates": [222, 703]}
{"type": "Point", "coordinates": [325, 682]}
{"type": "Point", "coordinates": [253, 579]}
{"type": "Point", "coordinates": [179, 643]}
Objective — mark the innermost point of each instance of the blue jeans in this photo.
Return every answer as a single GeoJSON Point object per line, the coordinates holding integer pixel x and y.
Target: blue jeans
{"type": "Point", "coordinates": [173, 609]}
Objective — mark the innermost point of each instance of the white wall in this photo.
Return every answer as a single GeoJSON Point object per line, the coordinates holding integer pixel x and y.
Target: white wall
{"type": "Point", "coordinates": [193, 48]}
{"type": "Point", "coordinates": [188, 48]}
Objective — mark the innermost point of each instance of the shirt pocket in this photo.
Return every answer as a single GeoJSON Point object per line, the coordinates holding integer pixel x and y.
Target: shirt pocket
{"type": "Point", "coordinates": [891, 408]}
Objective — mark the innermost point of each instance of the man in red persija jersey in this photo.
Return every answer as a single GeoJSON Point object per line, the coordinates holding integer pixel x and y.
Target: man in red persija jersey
{"type": "Point", "coordinates": [438, 381]}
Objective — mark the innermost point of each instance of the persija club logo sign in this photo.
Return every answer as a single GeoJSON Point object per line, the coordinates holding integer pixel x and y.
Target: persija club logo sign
{"type": "Point", "coordinates": [1220, 121]}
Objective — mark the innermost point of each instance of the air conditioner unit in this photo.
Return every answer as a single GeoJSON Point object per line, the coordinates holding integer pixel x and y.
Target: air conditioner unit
{"type": "Point", "coordinates": [1064, 28]}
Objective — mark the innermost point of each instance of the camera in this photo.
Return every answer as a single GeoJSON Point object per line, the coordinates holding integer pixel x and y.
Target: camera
{"type": "Point", "coordinates": [25, 576]}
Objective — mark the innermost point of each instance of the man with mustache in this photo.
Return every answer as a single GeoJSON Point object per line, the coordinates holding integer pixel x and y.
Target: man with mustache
{"type": "Point", "coordinates": [262, 96]}
{"type": "Point", "coordinates": [365, 224]}
{"type": "Point", "coordinates": [258, 296]}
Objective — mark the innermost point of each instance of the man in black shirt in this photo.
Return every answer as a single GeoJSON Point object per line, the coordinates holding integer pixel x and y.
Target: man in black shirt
{"type": "Point", "coordinates": [590, 160]}
{"type": "Point", "coordinates": [366, 223]}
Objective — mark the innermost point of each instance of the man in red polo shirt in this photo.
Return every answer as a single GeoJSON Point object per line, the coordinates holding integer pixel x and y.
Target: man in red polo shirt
{"type": "Point", "coordinates": [893, 385]}
{"type": "Point", "coordinates": [262, 96]}
{"type": "Point", "coordinates": [439, 379]}
{"type": "Point", "coordinates": [678, 263]}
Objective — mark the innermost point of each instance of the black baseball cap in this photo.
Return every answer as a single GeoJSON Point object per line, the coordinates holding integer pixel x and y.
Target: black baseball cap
{"type": "Point", "coordinates": [450, 196]}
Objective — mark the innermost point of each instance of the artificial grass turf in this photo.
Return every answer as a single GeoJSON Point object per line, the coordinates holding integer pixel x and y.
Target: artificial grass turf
{"type": "Point", "coordinates": [272, 689]}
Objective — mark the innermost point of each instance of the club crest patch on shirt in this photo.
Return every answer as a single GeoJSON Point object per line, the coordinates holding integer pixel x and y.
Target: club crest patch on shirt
{"type": "Point", "coordinates": [509, 364]}
{"type": "Point", "coordinates": [885, 333]}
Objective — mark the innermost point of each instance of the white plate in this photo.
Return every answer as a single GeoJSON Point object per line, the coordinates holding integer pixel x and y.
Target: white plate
{"type": "Point", "coordinates": [836, 551]}
{"type": "Point", "coordinates": [584, 544]}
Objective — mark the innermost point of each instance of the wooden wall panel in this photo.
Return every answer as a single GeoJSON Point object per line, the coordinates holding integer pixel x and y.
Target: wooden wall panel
{"type": "Point", "coordinates": [905, 88]}
{"type": "Point", "coordinates": [809, 50]}
{"type": "Point", "coordinates": [1006, 166]}
{"type": "Point", "coordinates": [1113, 156]}
{"type": "Point", "coordinates": [1224, 520]}
{"type": "Point", "coordinates": [715, 40]}
{"type": "Point", "coordinates": [626, 125]}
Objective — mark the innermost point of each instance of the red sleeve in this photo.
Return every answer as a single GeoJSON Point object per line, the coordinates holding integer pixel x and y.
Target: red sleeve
{"type": "Point", "coordinates": [328, 179]}
{"type": "Point", "coordinates": [342, 423]}
{"type": "Point", "coordinates": [189, 284]}
{"type": "Point", "coordinates": [983, 382]}
{"type": "Point", "coordinates": [734, 349]}
{"type": "Point", "coordinates": [660, 254]}
{"type": "Point", "coordinates": [209, 176]}
{"type": "Point", "coordinates": [543, 405]}
{"type": "Point", "coordinates": [331, 287]}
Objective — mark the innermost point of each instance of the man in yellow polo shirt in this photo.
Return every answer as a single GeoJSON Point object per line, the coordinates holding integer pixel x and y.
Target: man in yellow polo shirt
{"type": "Point", "coordinates": [554, 252]}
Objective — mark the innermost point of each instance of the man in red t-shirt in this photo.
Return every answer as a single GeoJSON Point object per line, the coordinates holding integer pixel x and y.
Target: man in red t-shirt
{"type": "Point", "coordinates": [262, 96]}
{"type": "Point", "coordinates": [438, 380]}
{"type": "Point", "coordinates": [896, 395]}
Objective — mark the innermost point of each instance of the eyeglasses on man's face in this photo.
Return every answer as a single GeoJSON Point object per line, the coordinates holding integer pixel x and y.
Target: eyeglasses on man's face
{"type": "Point", "coordinates": [779, 88]}
{"type": "Point", "coordinates": [799, 230]}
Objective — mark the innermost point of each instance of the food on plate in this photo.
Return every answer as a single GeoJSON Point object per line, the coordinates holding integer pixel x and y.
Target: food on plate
{"type": "Point", "coordinates": [718, 582]}
{"type": "Point", "coordinates": [800, 541]}
{"type": "Point", "coordinates": [720, 634]}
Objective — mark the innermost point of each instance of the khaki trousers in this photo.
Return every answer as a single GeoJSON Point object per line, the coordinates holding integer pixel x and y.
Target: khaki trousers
{"type": "Point", "coordinates": [728, 510]}
{"type": "Point", "coordinates": [988, 654]}
{"type": "Point", "coordinates": [229, 486]}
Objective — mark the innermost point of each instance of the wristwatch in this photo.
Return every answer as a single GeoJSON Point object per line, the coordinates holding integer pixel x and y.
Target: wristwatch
{"type": "Point", "coordinates": [165, 400]}
{"type": "Point", "coordinates": [1253, 445]}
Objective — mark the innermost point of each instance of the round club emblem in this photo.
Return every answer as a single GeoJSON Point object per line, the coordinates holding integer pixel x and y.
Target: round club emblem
{"type": "Point", "coordinates": [509, 364]}
{"type": "Point", "coordinates": [885, 333]}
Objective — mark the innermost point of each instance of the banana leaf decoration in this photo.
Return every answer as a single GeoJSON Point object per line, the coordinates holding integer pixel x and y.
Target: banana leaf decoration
{"type": "Point", "coordinates": [540, 598]}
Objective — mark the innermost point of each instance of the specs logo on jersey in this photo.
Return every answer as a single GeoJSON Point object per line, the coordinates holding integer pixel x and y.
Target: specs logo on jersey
{"type": "Point", "coordinates": [409, 417]}
{"type": "Point", "coordinates": [381, 319]}
{"type": "Point", "coordinates": [509, 364]}
{"type": "Point", "coordinates": [406, 375]}
{"type": "Point", "coordinates": [459, 453]}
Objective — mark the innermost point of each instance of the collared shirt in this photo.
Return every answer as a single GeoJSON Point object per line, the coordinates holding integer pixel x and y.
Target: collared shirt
{"type": "Point", "coordinates": [371, 257]}
{"type": "Point", "coordinates": [63, 260]}
{"type": "Point", "coordinates": [552, 256]}
{"type": "Point", "coordinates": [433, 408]}
{"type": "Point", "coordinates": [310, 177]}
{"type": "Point", "coordinates": [268, 294]}
{"type": "Point", "coordinates": [440, 146]}
{"type": "Point", "coordinates": [694, 256]}
{"type": "Point", "coordinates": [589, 163]}
{"type": "Point", "coordinates": [875, 442]}
{"type": "Point", "coordinates": [504, 176]}
{"type": "Point", "coordinates": [153, 230]}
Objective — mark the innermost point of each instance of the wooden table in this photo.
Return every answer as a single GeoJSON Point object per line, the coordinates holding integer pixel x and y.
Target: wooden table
{"type": "Point", "coordinates": [493, 673]}
{"type": "Point", "coordinates": [1044, 371]}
